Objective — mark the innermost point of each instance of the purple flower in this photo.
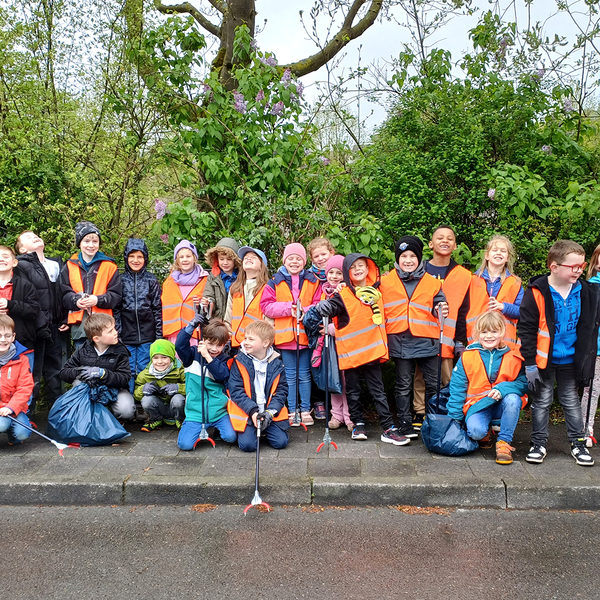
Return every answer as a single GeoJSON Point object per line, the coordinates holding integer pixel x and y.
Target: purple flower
{"type": "Point", "coordinates": [568, 105]}
{"type": "Point", "coordinates": [161, 209]}
{"type": "Point", "coordinates": [540, 73]}
{"type": "Point", "coordinates": [492, 193]}
{"type": "Point", "coordinates": [271, 61]}
{"type": "Point", "coordinates": [547, 149]}
{"type": "Point", "coordinates": [240, 103]}
{"type": "Point", "coordinates": [165, 238]}
{"type": "Point", "coordinates": [286, 79]}
{"type": "Point", "coordinates": [325, 160]}
{"type": "Point", "coordinates": [253, 44]}
{"type": "Point", "coordinates": [206, 88]}
{"type": "Point", "coordinates": [260, 96]}
{"type": "Point", "coordinates": [277, 109]}
{"type": "Point", "coordinates": [299, 88]}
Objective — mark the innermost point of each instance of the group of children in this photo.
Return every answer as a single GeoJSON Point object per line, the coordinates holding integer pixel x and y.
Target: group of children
{"type": "Point", "coordinates": [229, 347]}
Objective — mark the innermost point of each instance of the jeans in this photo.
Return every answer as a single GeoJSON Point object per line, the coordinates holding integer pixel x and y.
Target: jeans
{"type": "Point", "coordinates": [289, 362]}
{"type": "Point", "coordinates": [15, 432]}
{"type": "Point", "coordinates": [276, 437]}
{"type": "Point", "coordinates": [190, 430]}
{"type": "Point", "coordinates": [50, 356]}
{"type": "Point", "coordinates": [139, 358]}
{"type": "Point", "coordinates": [405, 374]}
{"type": "Point", "coordinates": [541, 399]}
{"type": "Point", "coordinates": [506, 410]}
{"type": "Point", "coordinates": [371, 375]}
{"type": "Point", "coordinates": [157, 410]}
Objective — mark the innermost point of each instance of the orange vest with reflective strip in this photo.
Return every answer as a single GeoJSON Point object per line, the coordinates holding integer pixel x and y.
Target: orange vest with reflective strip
{"type": "Point", "coordinates": [238, 418]}
{"type": "Point", "coordinates": [403, 313]}
{"type": "Point", "coordinates": [455, 287]}
{"type": "Point", "coordinates": [479, 383]}
{"type": "Point", "coordinates": [177, 312]}
{"type": "Point", "coordinates": [242, 317]}
{"type": "Point", "coordinates": [543, 334]}
{"type": "Point", "coordinates": [478, 305]}
{"type": "Point", "coordinates": [285, 327]}
{"type": "Point", "coordinates": [361, 341]}
{"type": "Point", "coordinates": [105, 272]}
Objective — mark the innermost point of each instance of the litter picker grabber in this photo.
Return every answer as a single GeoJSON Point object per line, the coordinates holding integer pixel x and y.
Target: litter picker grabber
{"type": "Point", "coordinates": [203, 435]}
{"type": "Point", "coordinates": [588, 427]}
{"type": "Point", "coordinates": [297, 418]}
{"type": "Point", "coordinates": [61, 447]}
{"type": "Point", "coordinates": [326, 438]}
{"type": "Point", "coordinates": [256, 499]}
{"type": "Point", "coordinates": [439, 366]}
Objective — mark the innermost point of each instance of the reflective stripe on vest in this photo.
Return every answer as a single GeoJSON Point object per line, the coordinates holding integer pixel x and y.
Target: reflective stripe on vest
{"type": "Point", "coordinates": [543, 334]}
{"type": "Point", "coordinates": [455, 287]}
{"type": "Point", "coordinates": [478, 305]}
{"type": "Point", "coordinates": [242, 317]}
{"type": "Point", "coordinates": [403, 313]}
{"type": "Point", "coordinates": [177, 312]}
{"type": "Point", "coordinates": [361, 341]}
{"type": "Point", "coordinates": [238, 418]}
{"type": "Point", "coordinates": [479, 384]}
{"type": "Point", "coordinates": [285, 327]}
{"type": "Point", "coordinates": [105, 273]}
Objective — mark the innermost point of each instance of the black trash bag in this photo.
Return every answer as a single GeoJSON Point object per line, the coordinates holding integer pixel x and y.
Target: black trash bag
{"type": "Point", "coordinates": [443, 435]}
{"type": "Point", "coordinates": [81, 416]}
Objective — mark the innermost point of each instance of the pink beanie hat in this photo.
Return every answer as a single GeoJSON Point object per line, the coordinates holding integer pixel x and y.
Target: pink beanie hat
{"type": "Point", "coordinates": [294, 248]}
{"type": "Point", "coordinates": [335, 262]}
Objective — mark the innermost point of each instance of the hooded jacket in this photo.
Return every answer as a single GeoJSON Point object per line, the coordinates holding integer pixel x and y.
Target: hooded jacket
{"type": "Point", "coordinates": [139, 315]}
{"type": "Point", "coordinates": [16, 381]}
{"type": "Point", "coordinates": [23, 309]}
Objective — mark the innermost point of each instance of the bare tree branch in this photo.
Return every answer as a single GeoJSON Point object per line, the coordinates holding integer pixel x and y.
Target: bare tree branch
{"type": "Point", "coordinates": [187, 8]}
{"type": "Point", "coordinates": [343, 37]}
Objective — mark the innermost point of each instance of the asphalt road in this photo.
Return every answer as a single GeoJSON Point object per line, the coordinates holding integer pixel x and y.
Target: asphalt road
{"type": "Point", "coordinates": [181, 553]}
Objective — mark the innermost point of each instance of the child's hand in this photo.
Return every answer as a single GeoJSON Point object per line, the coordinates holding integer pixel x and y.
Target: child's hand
{"type": "Point", "coordinates": [495, 395]}
{"type": "Point", "coordinates": [197, 301]}
{"type": "Point", "coordinates": [204, 350]}
{"type": "Point", "coordinates": [442, 308]}
{"type": "Point", "coordinates": [3, 306]}
{"type": "Point", "coordinates": [5, 412]}
{"type": "Point", "coordinates": [340, 286]}
{"type": "Point", "coordinates": [295, 312]}
{"type": "Point", "coordinates": [254, 421]}
{"type": "Point", "coordinates": [493, 304]}
{"type": "Point", "coordinates": [64, 327]}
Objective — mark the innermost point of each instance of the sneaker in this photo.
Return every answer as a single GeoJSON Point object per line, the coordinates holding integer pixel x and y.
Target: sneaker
{"type": "Point", "coordinates": [504, 453]}
{"type": "Point", "coordinates": [178, 423]}
{"type": "Point", "coordinates": [407, 430]}
{"type": "Point", "coordinates": [148, 427]}
{"type": "Point", "coordinates": [293, 422]}
{"type": "Point", "coordinates": [349, 425]}
{"type": "Point", "coordinates": [359, 432]}
{"type": "Point", "coordinates": [536, 454]}
{"type": "Point", "coordinates": [487, 441]}
{"type": "Point", "coordinates": [417, 422]}
{"type": "Point", "coordinates": [306, 418]}
{"type": "Point", "coordinates": [334, 423]}
{"type": "Point", "coordinates": [320, 411]}
{"type": "Point", "coordinates": [169, 422]}
{"type": "Point", "coordinates": [581, 454]}
{"type": "Point", "coordinates": [392, 436]}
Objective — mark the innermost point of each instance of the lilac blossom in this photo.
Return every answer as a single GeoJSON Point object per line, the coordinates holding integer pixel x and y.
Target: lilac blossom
{"type": "Point", "coordinates": [161, 209]}
{"type": "Point", "coordinates": [491, 193]}
{"type": "Point", "coordinates": [206, 88]}
{"type": "Point", "coordinates": [568, 105]}
{"type": "Point", "coordinates": [286, 79]}
{"type": "Point", "coordinates": [240, 103]}
{"type": "Point", "coordinates": [253, 44]}
{"type": "Point", "coordinates": [540, 73]}
{"type": "Point", "coordinates": [260, 96]}
{"type": "Point", "coordinates": [277, 109]}
{"type": "Point", "coordinates": [271, 61]}
{"type": "Point", "coordinates": [299, 88]}
{"type": "Point", "coordinates": [547, 149]}
{"type": "Point", "coordinates": [325, 160]}
{"type": "Point", "coordinates": [165, 238]}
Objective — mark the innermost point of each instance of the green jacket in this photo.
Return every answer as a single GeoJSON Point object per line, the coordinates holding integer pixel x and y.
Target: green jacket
{"type": "Point", "coordinates": [177, 375]}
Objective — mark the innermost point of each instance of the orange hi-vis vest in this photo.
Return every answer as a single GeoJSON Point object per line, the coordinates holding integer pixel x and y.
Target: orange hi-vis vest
{"type": "Point", "coordinates": [285, 327]}
{"type": "Point", "coordinates": [543, 334]}
{"type": "Point", "coordinates": [360, 341]}
{"type": "Point", "coordinates": [455, 287]}
{"type": "Point", "coordinates": [415, 313]}
{"type": "Point", "coordinates": [105, 273]}
{"type": "Point", "coordinates": [238, 418]}
{"type": "Point", "coordinates": [177, 311]}
{"type": "Point", "coordinates": [479, 384]}
{"type": "Point", "coordinates": [478, 305]}
{"type": "Point", "coordinates": [241, 317]}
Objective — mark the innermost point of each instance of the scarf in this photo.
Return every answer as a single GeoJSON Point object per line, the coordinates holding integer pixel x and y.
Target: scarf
{"type": "Point", "coordinates": [160, 374]}
{"type": "Point", "coordinates": [416, 274]}
{"type": "Point", "coordinates": [191, 278]}
{"type": "Point", "coordinates": [319, 273]}
{"type": "Point", "coordinates": [8, 355]}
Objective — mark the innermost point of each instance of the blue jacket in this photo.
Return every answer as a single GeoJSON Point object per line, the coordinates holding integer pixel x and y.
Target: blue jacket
{"type": "Point", "coordinates": [139, 314]}
{"type": "Point", "coordinates": [459, 382]}
{"type": "Point", "coordinates": [493, 287]}
{"type": "Point", "coordinates": [249, 405]}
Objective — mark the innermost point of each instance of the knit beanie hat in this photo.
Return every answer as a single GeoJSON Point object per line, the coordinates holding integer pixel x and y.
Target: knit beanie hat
{"type": "Point", "coordinates": [163, 347]}
{"type": "Point", "coordinates": [185, 244]}
{"type": "Point", "coordinates": [294, 248]}
{"type": "Point", "coordinates": [409, 242]}
{"type": "Point", "coordinates": [83, 228]}
{"type": "Point", "coordinates": [335, 262]}
{"type": "Point", "coordinates": [245, 249]}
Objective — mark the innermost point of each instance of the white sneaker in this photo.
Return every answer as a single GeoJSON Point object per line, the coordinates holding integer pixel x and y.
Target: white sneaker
{"type": "Point", "coordinates": [536, 454]}
{"type": "Point", "coordinates": [581, 454]}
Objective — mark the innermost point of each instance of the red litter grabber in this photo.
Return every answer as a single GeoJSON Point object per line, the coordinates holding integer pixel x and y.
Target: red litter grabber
{"type": "Point", "coordinates": [257, 500]}
{"type": "Point", "coordinates": [297, 421]}
{"type": "Point", "coordinates": [326, 438]}
{"type": "Point", "coordinates": [61, 447]}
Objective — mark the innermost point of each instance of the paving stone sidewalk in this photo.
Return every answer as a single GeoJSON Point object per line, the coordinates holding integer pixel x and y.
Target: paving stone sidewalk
{"type": "Point", "coordinates": [148, 468]}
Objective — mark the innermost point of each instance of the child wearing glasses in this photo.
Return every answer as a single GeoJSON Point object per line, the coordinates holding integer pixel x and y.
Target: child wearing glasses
{"type": "Point", "coordinates": [558, 327]}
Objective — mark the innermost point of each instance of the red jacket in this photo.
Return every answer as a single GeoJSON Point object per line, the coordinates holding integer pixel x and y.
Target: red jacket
{"type": "Point", "coordinates": [16, 381]}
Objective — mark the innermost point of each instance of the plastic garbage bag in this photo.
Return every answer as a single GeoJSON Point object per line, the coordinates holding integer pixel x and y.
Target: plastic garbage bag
{"type": "Point", "coordinates": [333, 371]}
{"type": "Point", "coordinates": [81, 416]}
{"type": "Point", "coordinates": [437, 403]}
{"type": "Point", "coordinates": [443, 435]}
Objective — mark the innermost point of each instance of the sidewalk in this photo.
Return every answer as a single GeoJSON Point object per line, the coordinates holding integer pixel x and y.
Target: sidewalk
{"type": "Point", "coordinates": [148, 468]}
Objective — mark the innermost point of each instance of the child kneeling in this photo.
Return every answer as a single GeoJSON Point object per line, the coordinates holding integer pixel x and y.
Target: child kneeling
{"type": "Point", "coordinates": [160, 387]}
{"type": "Point", "coordinates": [206, 375]}
{"type": "Point", "coordinates": [16, 383]}
{"type": "Point", "coordinates": [488, 384]}
{"type": "Point", "coordinates": [258, 390]}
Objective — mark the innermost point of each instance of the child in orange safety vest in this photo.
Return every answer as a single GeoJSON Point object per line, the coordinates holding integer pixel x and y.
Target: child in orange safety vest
{"type": "Point", "coordinates": [488, 385]}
